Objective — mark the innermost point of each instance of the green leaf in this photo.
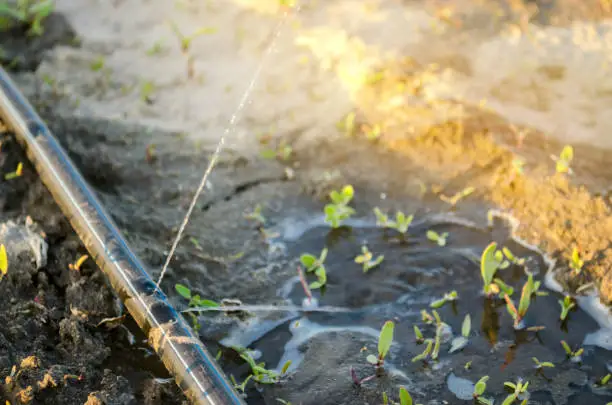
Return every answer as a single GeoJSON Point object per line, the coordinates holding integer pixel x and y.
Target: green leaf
{"type": "Point", "coordinates": [348, 192]}
{"type": "Point", "coordinates": [385, 339]}
{"type": "Point", "coordinates": [286, 367]}
{"type": "Point", "coordinates": [425, 352]}
{"type": "Point", "coordinates": [525, 297]}
{"type": "Point", "coordinates": [323, 255]}
{"type": "Point", "coordinates": [3, 261]}
{"type": "Point", "coordinates": [466, 326]}
{"type": "Point", "coordinates": [438, 303]}
{"type": "Point", "coordinates": [566, 347]}
{"type": "Point", "coordinates": [417, 333]}
{"type": "Point", "coordinates": [567, 154]}
{"type": "Point", "coordinates": [336, 197]}
{"type": "Point", "coordinates": [372, 359]}
{"type": "Point", "coordinates": [308, 261]}
{"type": "Point", "coordinates": [433, 236]}
{"type": "Point", "coordinates": [405, 398]}
{"type": "Point", "coordinates": [207, 303]}
{"type": "Point", "coordinates": [481, 386]}
{"type": "Point", "coordinates": [488, 265]}
{"type": "Point", "coordinates": [509, 399]}
{"type": "Point", "coordinates": [183, 291]}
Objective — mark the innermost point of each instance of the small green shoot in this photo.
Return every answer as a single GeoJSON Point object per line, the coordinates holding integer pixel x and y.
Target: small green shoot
{"type": "Point", "coordinates": [605, 380]}
{"type": "Point", "coordinates": [536, 289]}
{"type": "Point", "coordinates": [468, 365]}
{"type": "Point", "coordinates": [504, 289]}
{"type": "Point", "coordinates": [574, 356]}
{"type": "Point", "coordinates": [384, 345]}
{"type": "Point", "coordinates": [426, 317]}
{"type": "Point", "coordinates": [283, 151]}
{"type": "Point", "coordinates": [520, 391]}
{"type": "Point", "coordinates": [17, 173]}
{"type": "Point", "coordinates": [490, 261]}
{"type": "Point", "coordinates": [401, 223]}
{"type": "Point", "coordinates": [479, 389]}
{"type": "Point", "coordinates": [366, 259]}
{"type": "Point", "coordinates": [576, 263]}
{"type": "Point", "coordinates": [540, 365]}
{"type": "Point", "coordinates": [338, 210]}
{"type": "Point", "coordinates": [260, 373]}
{"type": "Point", "coordinates": [185, 41]}
{"type": "Point", "coordinates": [194, 300]}
{"type": "Point", "coordinates": [566, 305]}
{"type": "Point", "coordinates": [458, 196]}
{"type": "Point", "coordinates": [437, 342]}
{"type": "Point", "coordinates": [316, 265]}
{"type": "Point", "coordinates": [438, 238]}
{"type": "Point", "coordinates": [425, 354]}
{"type": "Point", "coordinates": [242, 386]}
{"type": "Point", "coordinates": [256, 215]}
{"type": "Point", "coordinates": [519, 261]}
{"type": "Point", "coordinates": [3, 262]}
{"type": "Point", "coordinates": [97, 64]}
{"type": "Point", "coordinates": [448, 297]}
{"type": "Point", "coordinates": [418, 335]}
{"type": "Point", "coordinates": [31, 12]}
{"type": "Point", "coordinates": [404, 395]}
{"type": "Point", "coordinates": [519, 314]}
{"type": "Point", "coordinates": [460, 342]}
{"type": "Point", "coordinates": [564, 160]}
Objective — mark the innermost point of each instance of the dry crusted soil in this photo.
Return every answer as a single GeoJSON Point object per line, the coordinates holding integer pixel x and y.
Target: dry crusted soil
{"type": "Point", "coordinates": [54, 313]}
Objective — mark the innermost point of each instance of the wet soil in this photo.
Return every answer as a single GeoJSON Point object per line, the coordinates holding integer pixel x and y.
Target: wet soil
{"type": "Point", "coordinates": [54, 312]}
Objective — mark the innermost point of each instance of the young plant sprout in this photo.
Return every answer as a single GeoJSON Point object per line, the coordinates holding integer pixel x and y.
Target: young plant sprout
{"type": "Point", "coordinates": [17, 173]}
{"type": "Point", "coordinates": [520, 392]}
{"type": "Point", "coordinates": [564, 160]}
{"type": "Point", "coordinates": [404, 396]}
{"type": "Point", "coordinates": [536, 289]}
{"type": "Point", "coordinates": [418, 335]}
{"type": "Point", "coordinates": [448, 297]}
{"type": "Point", "coordinates": [458, 196]}
{"type": "Point", "coordinates": [605, 380]}
{"type": "Point", "coordinates": [540, 365]}
{"type": "Point", "coordinates": [566, 305]}
{"type": "Point", "coordinates": [576, 262]}
{"type": "Point", "coordinates": [504, 289]}
{"type": "Point", "coordinates": [283, 152]}
{"type": "Point", "coordinates": [490, 261]}
{"type": "Point", "coordinates": [519, 261]}
{"type": "Point", "coordinates": [31, 12]}
{"type": "Point", "coordinates": [479, 389]}
{"type": "Point", "coordinates": [425, 354]}
{"type": "Point", "coordinates": [256, 215]}
{"type": "Point", "coordinates": [468, 365]}
{"type": "Point", "coordinates": [460, 342]}
{"type": "Point", "coordinates": [519, 314]}
{"type": "Point", "coordinates": [338, 210]}
{"type": "Point", "coordinates": [426, 317]}
{"type": "Point", "coordinates": [260, 373]}
{"type": "Point", "coordinates": [366, 259]}
{"type": "Point", "coordinates": [3, 262]}
{"type": "Point", "coordinates": [242, 386]}
{"type": "Point", "coordinates": [384, 345]}
{"type": "Point", "coordinates": [439, 238]}
{"type": "Point", "coordinates": [574, 356]}
{"type": "Point", "coordinates": [437, 342]}
{"type": "Point", "coordinates": [401, 223]}
{"type": "Point", "coordinates": [194, 300]}
{"type": "Point", "coordinates": [314, 264]}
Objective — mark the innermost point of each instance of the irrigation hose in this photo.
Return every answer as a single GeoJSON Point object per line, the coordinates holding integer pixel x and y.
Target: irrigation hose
{"type": "Point", "coordinates": [182, 352]}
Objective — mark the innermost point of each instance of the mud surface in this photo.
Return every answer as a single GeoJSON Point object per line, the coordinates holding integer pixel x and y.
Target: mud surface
{"type": "Point", "coordinates": [144, 154]}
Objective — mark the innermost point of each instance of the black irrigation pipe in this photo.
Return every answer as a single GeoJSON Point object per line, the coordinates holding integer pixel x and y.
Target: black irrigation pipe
{"type": "Point", "coordinates": [182, 352]}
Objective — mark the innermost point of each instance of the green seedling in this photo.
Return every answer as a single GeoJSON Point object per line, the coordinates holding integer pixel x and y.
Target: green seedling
{"type": "Point", "coordinates": [536, 289]}
{"type": "Point", "coordinates": [185, 41]}
{"type": "Point", "coordinates": [404, 396]}
{"type": "Point", "coordinates": [491, 261]}
{"type": "Point", "coordinates": [426, 317]}
{"type": "Point", "coordinates": [541, 365]}
{"type": "Point", "coordinates": [574, 356]}
{"type": "Point", "coordinates": [460, 342]}
{"type": "Point", "coordinates": [503, 288]}
{"type": "Point", "coordinates": [576, 263]}
{"type": "Point", "coordinates": [519, 314]}
{"type": "Point", "coordinates": [338, 210]}
{"type": "Point", "coordinates": [448, 297]}
{"type": "Point", "coordinates": [316, 265]}
{"type": "Point", "coordinates": [385, 340]}
{"type": "Point", "coordinates": [283, 152]}
{"type": "Point", "coordinates": [347, 125]}
{"type": "Point", "coordinates": [97, 64]}
{"type": "Point", "coordinates": [437, 342]}
{"type": "Point", "coordinates": [479, 389]}
{"type": "Point", "coordinates": [242, 386]}
{"type": "Point", "coordinates": [458, 196]}
{"type": "Point", "coordinates": [418, 335]}
{"type": "Point", "coordinates": [564, 160]}
{"type": "Point", "coordinates": [520, 392]}
{"type": "Point", "coordinates": [438, 238]}
{"type": "Point", "coordinates": [468, 365]}
{"type": "Point", "coordinates": [3, 262]}
{"type": "Point", "coordinates": [17, 173]}
{"type": "Point", "coordinates": [425, 354]}
{"type": "Point", "coordinates": [194, 300]}
{"type": "Point", "coordinates": [256, 215]}
{"type": "Point", "coordinates": [566, 305]}
{"type": "Point", "coordinates": [401, 223]}
{"type": "Point", "coordinates": [260, 373]}
{"type": "Point", "coordinates": [366, 259]}
{"type": "Point", "coordinates": [373, 132]}
{"type": "Point", "coordinates": [519, 261]}
{"type": "Point", "coordinates": [604, 380]}
{"type": "Point", "coordinates": [31, 12]}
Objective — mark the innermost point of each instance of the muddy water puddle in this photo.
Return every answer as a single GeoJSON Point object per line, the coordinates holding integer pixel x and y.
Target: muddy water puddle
{"type": "Point", "coordinates": [415, 271]}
